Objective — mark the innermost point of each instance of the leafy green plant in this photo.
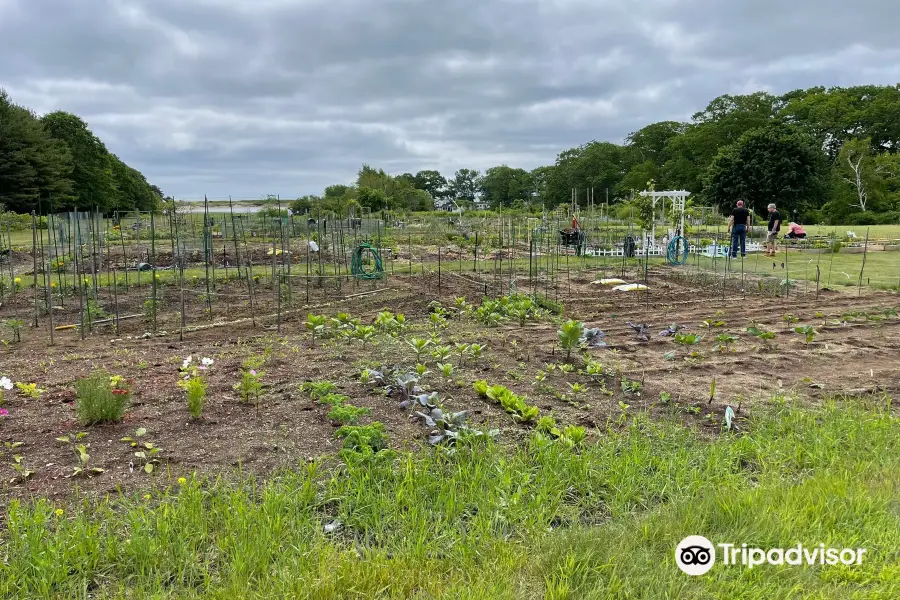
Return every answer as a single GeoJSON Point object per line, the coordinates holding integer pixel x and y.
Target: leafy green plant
{"type": "Point", "coordinates": [347, 414]}
{"type": "Point", "coordinates": [570, 336]}
{"type": "Point", "coordinates": [442, 354]}
{"type": "Point", "coordinates": [15, 326]}
{"type": "Point", "coordinates": [101, 398]}
{"type": "Point", "coordinates": [82, 457]}
{"type": "Point", "coordinates": [790, 319]}
{"type": "Point", "coordinates": [318, 389]}
{"type": "Point", "coordinates": [146, 457]}
{"type": "Point", "coordinates": [315, 324]}
{"type": "Point", "coordinates": [509, 401]}
{"type": "Point", "coordinates": [446, 369]}
{"type": "Point", "coordinates": [809, 333]}
{"type": "Point", "coordinates": [390, 323]}
{"type": "Point", "coordinates": [761, 333]}
{"type": "Point", "coordinates": [29, 390]}
{"type": "Point", "coordinates": [419, 346]}
{"type": "Point", "coordinates": [577, 389]}
{"type": "Point", "coordinates": [687, 339]}
{"type": "Point", "coordinates": [665, 397]}
{"type": "Point", "coordinates": [334, 399]}
{"type": "Point", "coordinates": [363, 439]}
{"type": "Point", "coordinates": [630, 387]}
{"type": "Point", "coordinates": [363, 333]}
{"type": "Point", "coordinates": [573, 436]}
{"type": "Point", "coordinates": [250, 385]}
{"type": "Point", "coordinates": [194, 384]}
{"type": "Point", "coordinates": [725, 341]}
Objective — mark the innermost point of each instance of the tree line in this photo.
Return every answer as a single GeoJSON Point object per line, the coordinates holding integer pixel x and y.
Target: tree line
{"type": "Point", "coordinates": [54, 162]}
{"type": "Point", "coordinates": [823, 155]}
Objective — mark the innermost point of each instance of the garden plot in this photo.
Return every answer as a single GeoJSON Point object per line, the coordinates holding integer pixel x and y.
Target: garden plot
{"type": "Point", "coordinates": [401, 368]}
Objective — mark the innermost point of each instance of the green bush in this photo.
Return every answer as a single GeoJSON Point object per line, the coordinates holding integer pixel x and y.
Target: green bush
{"type": "Point", "coordinates": [101, 398]}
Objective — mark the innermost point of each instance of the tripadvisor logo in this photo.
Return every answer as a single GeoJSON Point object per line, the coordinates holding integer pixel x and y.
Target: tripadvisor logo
{"type": "Point", "coordinates": [696, 555]}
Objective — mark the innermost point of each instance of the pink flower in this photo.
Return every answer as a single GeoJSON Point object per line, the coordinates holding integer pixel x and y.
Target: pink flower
{"type": "Point", "coordinates": [253, 372]}
{"type": "Point", "coordinates": [3, 412]}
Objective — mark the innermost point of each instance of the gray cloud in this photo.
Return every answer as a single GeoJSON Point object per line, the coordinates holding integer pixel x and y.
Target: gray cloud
{"type": "Point", "coordinates": [249, 97]}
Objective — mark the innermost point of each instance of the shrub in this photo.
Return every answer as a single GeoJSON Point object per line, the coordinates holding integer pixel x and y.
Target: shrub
{"type": "Point", "coordinates": [101, 398]}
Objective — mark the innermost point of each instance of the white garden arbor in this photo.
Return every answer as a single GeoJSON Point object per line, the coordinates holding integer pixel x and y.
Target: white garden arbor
{"type": "Point", "coordinates": [677, 198]}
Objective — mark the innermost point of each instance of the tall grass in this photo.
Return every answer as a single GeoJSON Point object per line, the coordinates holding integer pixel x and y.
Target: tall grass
{"type": "Point", "coordinates": [483, 521]}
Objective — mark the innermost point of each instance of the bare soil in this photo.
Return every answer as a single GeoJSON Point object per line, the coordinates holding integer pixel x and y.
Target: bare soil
{"type": "Point", "coordinates": [855, 352]}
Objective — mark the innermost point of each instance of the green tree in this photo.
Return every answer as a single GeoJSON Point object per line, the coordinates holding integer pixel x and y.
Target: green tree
{"type": "Point", "coordinates": [32, 165]}
{"type": "Point", "coordinates": [432, 182]}
{"type": "Point", "coordinates": [504, 186]}
{"type": "Point", "coordinates": [464, 184]}
{"type": "Point", "coordinates": [773, 164]}
{"type": "Point", "coordinates": [304, 204]}
{"type": "Point", "coordinates": [92, 175]}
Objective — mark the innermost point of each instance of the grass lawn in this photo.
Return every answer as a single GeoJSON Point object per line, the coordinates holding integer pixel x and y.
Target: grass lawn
{"type": "Point", "coordinates": [882, 269]}
{"type": "Point", "coordinates": [537, 520]}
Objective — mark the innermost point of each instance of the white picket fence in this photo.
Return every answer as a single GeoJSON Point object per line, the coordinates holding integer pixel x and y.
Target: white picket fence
{"type": "Point", "coordinates": [657, 250]}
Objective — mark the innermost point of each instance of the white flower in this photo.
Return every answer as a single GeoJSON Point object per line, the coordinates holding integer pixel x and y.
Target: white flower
{"type": "Point", "coordinates": [5, 383]}
{"type": "Point", "coordinates": [187, 362]}
{"type": "Point", "coordinates": [207, 362]}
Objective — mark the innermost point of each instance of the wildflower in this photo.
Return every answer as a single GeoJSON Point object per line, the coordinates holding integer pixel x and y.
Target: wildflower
{"type": "Point", "coordinates": [207, 362]}
{"type": "Point", "coordinates": [17, 280]}
{"type": "Point", "coordinates": [187, 362]}
{"type": "Point", "coordinates": [59, 512]}
{"type": "Point", "coordinates": [253, 372]}
{"type": "Point", "coordinates": [53, 284]}
{"type": "Point", "coordinates": [4, 412]}
{"type": "Point", "coordinates": [182, 481]}
{"type": "Point", "coordinates": [120, 392]}
{"type": "Point", "coordinates": [6, 383]}
{"type": "Point", "coordinates": [146, 496]}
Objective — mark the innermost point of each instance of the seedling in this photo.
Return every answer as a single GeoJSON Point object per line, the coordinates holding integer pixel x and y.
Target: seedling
{"type": "Point", "coordinates": [422, 370]}
{"type": "Point", "coordinates": [29, 390]}
{"type": "Point", "coordinates": [442, 354]}
{"type": "Point", "coordinates": [446, 369]}
{"type": "Point", "coordinates": [315, 324]}
{"type": "Point", "coordinates": [665, 397]}
{"type": "Point", "coordinates": [725, 341]}
{"type": "Point", "coordinates": [761, 333]}
{"type": "Point", "coordinates": [418, 345]}
{"type": "Point", "coordinates": [81, 453]}
{"type": "Point", "coordinates": [570, 336]}
{"type": "Point", "coordinates": [19, 467]}
{"type": "Point", "coordinates": [808, 332]}
{"type": "Point", "coordinates": [630, 387]}
{"type": "Point", "coordinates": [577, 388]}
{"type": "Point", "coordinates": [687, 339]}
{"type": "Point", "coordinates": [712, 390]}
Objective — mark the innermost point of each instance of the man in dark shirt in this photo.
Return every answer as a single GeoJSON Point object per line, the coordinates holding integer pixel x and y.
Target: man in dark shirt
{"type": "Point", "coordinates": [774, 228]}
{"type": "Point", "coordinates": [739, 225]}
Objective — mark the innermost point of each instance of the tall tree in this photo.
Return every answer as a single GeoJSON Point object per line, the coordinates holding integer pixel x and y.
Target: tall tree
{"type": "Point", "coordinates": [92, 174]}
{"type": "Point", "coordinates": [464, 185]}
{"type": "Point", "coordinates": [432, 182]}
{"type": "Point", "coordinates": [773, 164]}
{"type": "Point", "coordinates": [505, 186]}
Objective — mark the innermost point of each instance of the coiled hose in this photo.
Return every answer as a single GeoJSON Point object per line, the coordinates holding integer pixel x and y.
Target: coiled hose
{"type": "Point", "coordinates": [356, 263]}
{"type": "Point", "coordinates": [672, 251]}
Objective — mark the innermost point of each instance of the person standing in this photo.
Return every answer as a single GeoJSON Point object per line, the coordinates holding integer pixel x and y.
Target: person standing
{"type": "Point", "coordinates": [774, 228]}
{"type": "Point", "coordinates": [739, 226]}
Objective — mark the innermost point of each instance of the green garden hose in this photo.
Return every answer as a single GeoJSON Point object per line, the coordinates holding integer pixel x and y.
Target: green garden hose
{"type": "Point", "coordinates": [356, 264]}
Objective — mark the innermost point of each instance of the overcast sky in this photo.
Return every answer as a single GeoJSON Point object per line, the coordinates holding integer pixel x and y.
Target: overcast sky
{"type": "Point", "coordinates": [251, 97]}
